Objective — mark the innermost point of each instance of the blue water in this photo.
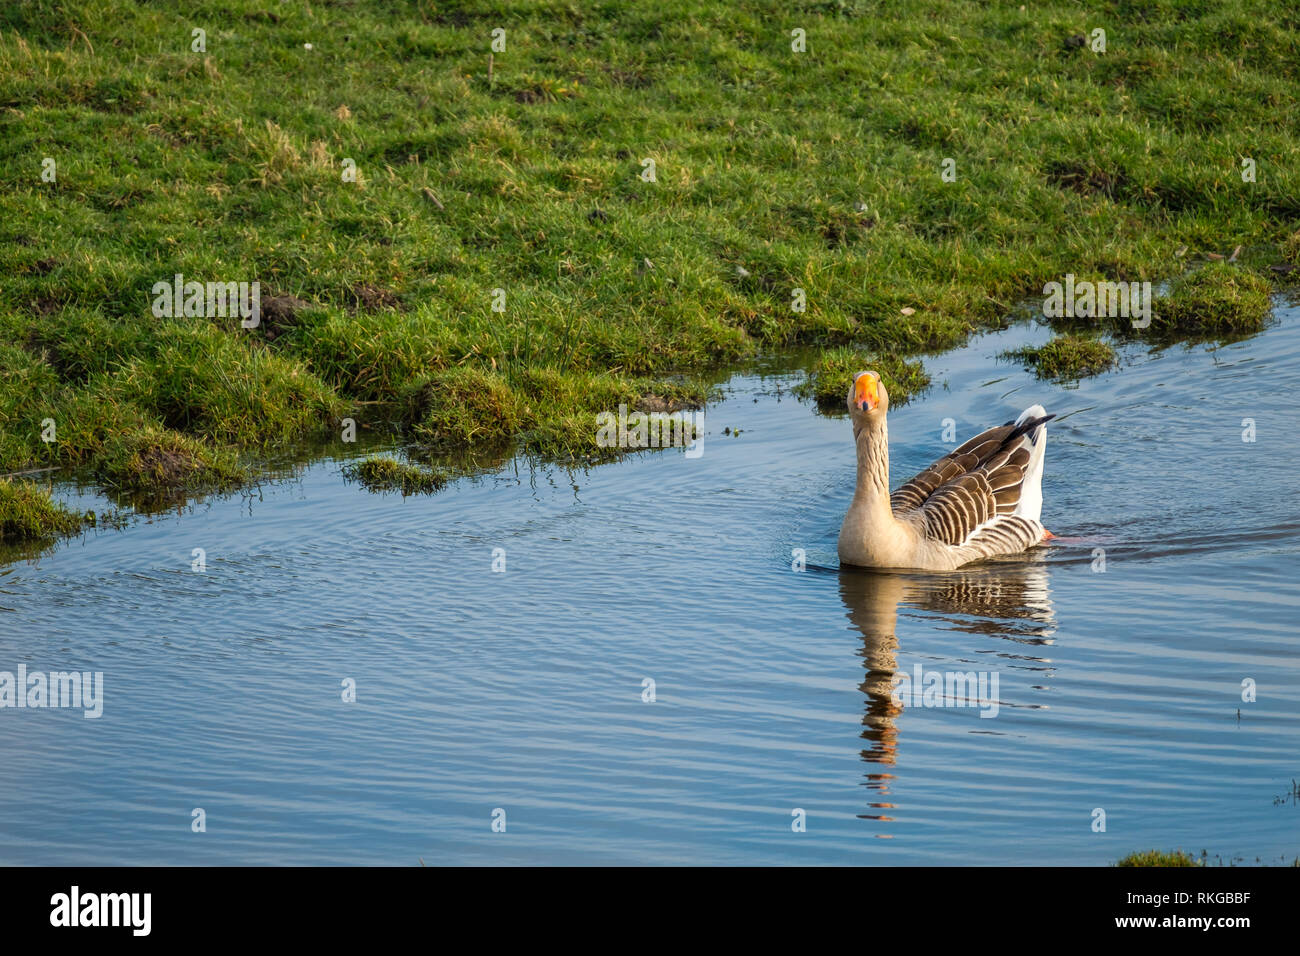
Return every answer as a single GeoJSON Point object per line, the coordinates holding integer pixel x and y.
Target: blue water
{"type": "Point", "coordinates": [1119, 689]}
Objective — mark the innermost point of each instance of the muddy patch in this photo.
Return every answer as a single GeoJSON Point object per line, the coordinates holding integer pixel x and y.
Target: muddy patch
{"type": "Point", "coordinates": [47, 303]}
{"type": "Point", "coordinates": [371, 298]}
{"type": "Point", "coordinates": [1083, 180]}
{"type": "Point", "coordinates": [652, 403]}
{"type": "Point", "coordinates": [280, 314]}
{"type": "Point", "coordinates": [165, 466]}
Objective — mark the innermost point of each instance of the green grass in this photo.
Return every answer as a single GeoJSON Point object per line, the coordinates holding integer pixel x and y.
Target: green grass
{"type": "Point", "coordinates": [782, 177]}
{"type": "Point", "coordinates": [1179, 858]}
{"type": "Point", "coordinates": [1159, 858]}
{"type": "Point", "coordinates": [28, 514]}
{"type": "Point", "coordinates": [1066, 358]}
{"type": "Point", "coordinates": [379, 473]}
{"type": "Point", "coordinates": [827, 383]}
{"type": "Point", "coordinates": [1290, 249]}
{"type": "Point", "coordinates": [1219, 301]}
{"type": "Point", "coordinates": [1211, 301]}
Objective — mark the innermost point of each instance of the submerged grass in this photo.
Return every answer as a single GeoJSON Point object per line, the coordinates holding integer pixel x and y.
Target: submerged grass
{"type": "Point", "coordinates": [502, 265]}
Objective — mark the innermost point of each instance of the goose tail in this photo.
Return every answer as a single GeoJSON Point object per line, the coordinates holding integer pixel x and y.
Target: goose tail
{"type": "Point", "coordinates": [1033, 424]}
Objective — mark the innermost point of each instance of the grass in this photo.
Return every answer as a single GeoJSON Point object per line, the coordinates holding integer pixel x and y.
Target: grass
{"type": "Point", "coordinates": [1219, 301]}
{"type": "Point", "coordinates": [28, 514]}
{"type": "Point", "coordinates": [1066, 358]}
{"type": "Point", "coordinates": [379, 473]}
{"type": "Point", "coordinates": [1159, 858]}
{"type": "Point", "coordinates": [782, 180]}
{"type": "Point", "coordinates": [827, 382]}
{"type": "Point", "coordinates": [1290, 250]}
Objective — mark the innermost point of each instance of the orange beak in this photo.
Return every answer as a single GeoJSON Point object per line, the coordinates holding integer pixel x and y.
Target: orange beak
{"type": "Point", "coordinates": [865, 395]}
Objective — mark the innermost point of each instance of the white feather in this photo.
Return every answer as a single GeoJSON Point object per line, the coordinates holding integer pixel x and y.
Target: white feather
{"type": "Point", "coordinates": [1031, 491]}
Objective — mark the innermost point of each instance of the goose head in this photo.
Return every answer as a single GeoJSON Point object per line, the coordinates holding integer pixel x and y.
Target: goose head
{"type": "Point", "coordinates": [868, 400]}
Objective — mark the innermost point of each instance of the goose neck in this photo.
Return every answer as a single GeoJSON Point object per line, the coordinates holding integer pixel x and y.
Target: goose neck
{"type": "Point", "coordinates": [873, 461]}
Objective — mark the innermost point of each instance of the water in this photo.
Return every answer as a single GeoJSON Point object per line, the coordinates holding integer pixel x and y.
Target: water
{"type": "Point", "coordinates": [1118, 689]}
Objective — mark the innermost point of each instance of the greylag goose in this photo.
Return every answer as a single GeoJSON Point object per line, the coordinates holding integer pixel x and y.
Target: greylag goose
{"type": "Point", "coordinates": [981, 500]}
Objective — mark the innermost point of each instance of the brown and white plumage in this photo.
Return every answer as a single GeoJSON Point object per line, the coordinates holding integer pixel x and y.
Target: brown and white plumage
{"type": "Point", "coordinates": [981, 500]}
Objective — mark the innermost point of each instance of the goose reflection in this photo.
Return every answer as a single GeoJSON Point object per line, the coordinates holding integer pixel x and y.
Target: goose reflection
{"type": "Point", "coordinates": [1010, 600]}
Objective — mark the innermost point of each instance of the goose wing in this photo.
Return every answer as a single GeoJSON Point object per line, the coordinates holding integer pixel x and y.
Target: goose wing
{"type": "Point", "coordinates": [969, 487]}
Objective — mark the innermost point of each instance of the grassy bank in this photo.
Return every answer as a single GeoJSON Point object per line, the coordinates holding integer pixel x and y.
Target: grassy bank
{"type": "Point", "coordinates": [780, 178]}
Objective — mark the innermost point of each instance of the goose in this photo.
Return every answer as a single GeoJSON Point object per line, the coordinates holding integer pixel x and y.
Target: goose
{"type": "Point", "coordinates": [982, 500]}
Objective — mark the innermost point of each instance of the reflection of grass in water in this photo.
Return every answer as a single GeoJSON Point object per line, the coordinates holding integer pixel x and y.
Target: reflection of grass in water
{"type": "Point", "coordinates": [1068, 161]}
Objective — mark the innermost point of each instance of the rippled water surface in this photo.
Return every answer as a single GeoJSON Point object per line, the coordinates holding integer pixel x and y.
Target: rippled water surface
{"type": "Point", "coordinates": [1118, 689]}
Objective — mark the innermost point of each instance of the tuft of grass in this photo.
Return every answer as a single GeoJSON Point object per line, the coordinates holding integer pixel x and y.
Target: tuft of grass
{"type": "Point", "coordinates": [1219, 300]}
{"type": "Point", "coordinates": [380, 473]}
{"type": "Point", "coordinates": [463, 405]}
{"type": "Point", "coordinates": [827, 383]}
{"type": "Point", "coordinates": [27, 513]}
{"type": "Point", "coordinates": [1290, 248]}
{"type": "Point", "coordinates": [371, 357]}
{"type": "Point", "coordinates": [156, 462]}
{"type": "Point", "coordinates": [1159, 858]}
{"type": "Point", "coordinates": [1066, 358]}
